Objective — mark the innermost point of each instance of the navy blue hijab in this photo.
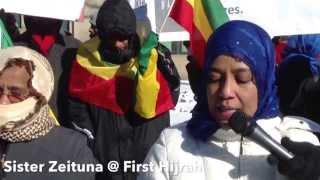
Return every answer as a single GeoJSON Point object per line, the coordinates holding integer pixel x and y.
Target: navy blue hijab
{"type": "Point", "coordinates": [251, 44]}
{"type": "Point", "coordinates": [301, 60]}
{"type": "Point", "coordinates": [305, 47]}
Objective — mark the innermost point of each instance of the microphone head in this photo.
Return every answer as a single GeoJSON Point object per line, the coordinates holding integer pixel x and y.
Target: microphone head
{"type": "Point", "coordinates": [239, 122]}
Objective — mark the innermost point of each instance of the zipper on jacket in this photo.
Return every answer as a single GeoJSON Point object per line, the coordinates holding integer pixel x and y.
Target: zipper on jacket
{"type": "Point", "coordinates": [239, 158]}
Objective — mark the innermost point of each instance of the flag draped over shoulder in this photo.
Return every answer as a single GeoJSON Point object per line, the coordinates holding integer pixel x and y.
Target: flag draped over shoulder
{"type": "Point", "coordinates": [137, 85]}
{"type": "Point", "coordinates": [5, 40]}
{"type": "Point", "coordinates": [200, 18]}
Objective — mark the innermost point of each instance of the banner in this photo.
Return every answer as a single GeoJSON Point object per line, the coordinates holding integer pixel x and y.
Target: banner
{"type": "Point", "coordinates": [278, 17]}
{"type": "Point", "coordinates": [59, 9]}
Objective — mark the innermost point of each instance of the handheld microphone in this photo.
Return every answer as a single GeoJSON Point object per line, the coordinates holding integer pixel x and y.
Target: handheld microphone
{"type": "Point", "coordinates": [243, 125]}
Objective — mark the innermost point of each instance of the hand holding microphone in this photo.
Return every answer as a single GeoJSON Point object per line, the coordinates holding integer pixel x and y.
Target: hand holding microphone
{"type": "Point", "coordinates": [298, 160]}
{"type": "Point", "coordinates": [306, 162]}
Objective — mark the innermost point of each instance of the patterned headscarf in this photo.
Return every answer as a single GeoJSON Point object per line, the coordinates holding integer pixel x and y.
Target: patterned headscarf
{"type": "Point", "coordinates": [251, 44]}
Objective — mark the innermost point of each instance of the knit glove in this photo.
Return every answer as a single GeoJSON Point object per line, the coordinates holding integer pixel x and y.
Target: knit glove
{"type": "Point", "coordinates": [306, 161]}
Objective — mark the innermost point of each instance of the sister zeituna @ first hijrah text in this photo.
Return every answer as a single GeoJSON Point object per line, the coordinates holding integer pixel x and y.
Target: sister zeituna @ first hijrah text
{"type": "Point", "coordinates": [112, 166]}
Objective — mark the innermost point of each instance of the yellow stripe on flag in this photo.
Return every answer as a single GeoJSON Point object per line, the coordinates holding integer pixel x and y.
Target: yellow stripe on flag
{"type": "Point", "coordinates": [54, 118]}
{"type": "Point", "coordinates": [146, 101]}
{"type": "Point", "coordinates": [191, 2]}
{"type": "Point", "coordinates": [89, 58]}
{"type": "Point", "coordinates": [201, 21]}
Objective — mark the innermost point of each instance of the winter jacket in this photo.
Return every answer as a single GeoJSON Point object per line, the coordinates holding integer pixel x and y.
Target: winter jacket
{"type": "Point", "coordinates": [61, 145]}
{"type": "Point", "coordinates": [176, 155]}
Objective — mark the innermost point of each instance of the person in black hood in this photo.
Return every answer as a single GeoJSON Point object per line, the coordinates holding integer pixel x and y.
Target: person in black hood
{"type": "Point", "coordinates": [116, 23]}
{"type": "Point", "coordinates": [122, 86]}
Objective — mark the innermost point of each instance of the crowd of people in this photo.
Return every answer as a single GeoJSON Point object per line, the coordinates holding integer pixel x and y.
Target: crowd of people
{"type": "Point", "coordinates": [84, 105]}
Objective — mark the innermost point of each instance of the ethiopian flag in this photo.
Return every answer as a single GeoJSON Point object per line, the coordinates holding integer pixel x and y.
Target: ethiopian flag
{"type": "Point", "coordinates": [136, 85]}
{"type": "Point", "coordinates": [200, 18]}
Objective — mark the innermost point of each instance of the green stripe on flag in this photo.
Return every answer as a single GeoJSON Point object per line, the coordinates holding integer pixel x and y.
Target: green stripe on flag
{"type": "Point", "coordinates": [215, 12]}
{"type": "Point", "coordinates": [5, 38]}
{"type": "Point", "coordinates": [144, 54]}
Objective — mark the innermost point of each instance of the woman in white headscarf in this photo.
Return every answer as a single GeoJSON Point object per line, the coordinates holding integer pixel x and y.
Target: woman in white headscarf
{"type": "Point", "coordinates": [28, 134]}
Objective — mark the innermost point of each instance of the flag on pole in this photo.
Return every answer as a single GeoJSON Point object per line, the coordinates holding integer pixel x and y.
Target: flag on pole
{"type": "Point", "coordinates": [5, 40]}
{"type": "Point", "coordinates": [200, 18]}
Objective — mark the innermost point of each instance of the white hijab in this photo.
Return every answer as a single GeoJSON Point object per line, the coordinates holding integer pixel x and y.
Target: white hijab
{"type": "Point", "coordinates": [42, 81]}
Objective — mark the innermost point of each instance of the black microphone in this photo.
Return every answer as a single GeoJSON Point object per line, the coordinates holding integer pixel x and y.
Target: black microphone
{"type": "Point", "coordinates": [243, 125]}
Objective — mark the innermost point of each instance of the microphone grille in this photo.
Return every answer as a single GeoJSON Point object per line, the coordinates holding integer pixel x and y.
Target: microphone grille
{"type": "Point", "coordinates": [239, 122]}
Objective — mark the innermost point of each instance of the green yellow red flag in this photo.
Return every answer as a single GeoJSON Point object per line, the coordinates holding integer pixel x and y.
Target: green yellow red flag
{"type": "Point", "coordinates": [137, 84]}
{"type": "Point", "coordinates": [200, 18]}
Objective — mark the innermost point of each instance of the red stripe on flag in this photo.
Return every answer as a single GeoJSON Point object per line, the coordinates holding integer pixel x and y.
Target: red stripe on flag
{"type": "Point", "coordinates": [114, 94]}
{"type": "Point", "coordinates": [164, 99]}
{"type": "Point", "coordinates": [182, 13]}
{"type": "Point", "coordinates": [198, 45]}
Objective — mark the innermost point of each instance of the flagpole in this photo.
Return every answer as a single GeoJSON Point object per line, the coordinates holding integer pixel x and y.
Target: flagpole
{"type": "Point", "coordinates": [167, 16]}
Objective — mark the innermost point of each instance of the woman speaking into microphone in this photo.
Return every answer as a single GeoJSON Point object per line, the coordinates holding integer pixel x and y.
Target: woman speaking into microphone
{"type": "Point", "coordinates": [239, 75]}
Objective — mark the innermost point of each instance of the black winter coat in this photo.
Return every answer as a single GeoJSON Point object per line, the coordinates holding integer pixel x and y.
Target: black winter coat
{"type": "Point", "coordinates": [60, 144]}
